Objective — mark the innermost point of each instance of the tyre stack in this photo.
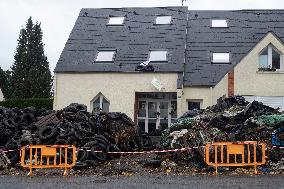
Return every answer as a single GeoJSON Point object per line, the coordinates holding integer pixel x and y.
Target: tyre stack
{"type": "Point", "coordinates": [95, 134]}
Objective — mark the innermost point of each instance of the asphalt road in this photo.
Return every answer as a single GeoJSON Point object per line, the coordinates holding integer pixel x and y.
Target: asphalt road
{"type": "Point", "coordinates": [145, 182]}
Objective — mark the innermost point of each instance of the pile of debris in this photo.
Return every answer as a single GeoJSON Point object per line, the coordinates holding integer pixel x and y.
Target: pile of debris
{"type": "Point", "coordinates": [231, 119]}
{"type": "Point", "coordinates": [106, 132]}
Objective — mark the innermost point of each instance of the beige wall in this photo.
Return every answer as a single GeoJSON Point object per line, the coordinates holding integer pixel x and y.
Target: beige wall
{"type": "Point", "coordinates": [208, 95]}
{"type": "Point", "coordinates": [249, 81]}
{"type": "Point", "coordinates": [118, 88]}
{"type": "Point", "coordinates": [1, 96]}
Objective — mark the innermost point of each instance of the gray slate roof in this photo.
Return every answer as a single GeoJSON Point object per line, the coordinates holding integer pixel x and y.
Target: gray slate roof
{"type": "Point", "coordinates": [138, 35]}
{"type": "Point", "coordinates": [246, 29]}
{"type": "Point", "coordinates": [132, 41]}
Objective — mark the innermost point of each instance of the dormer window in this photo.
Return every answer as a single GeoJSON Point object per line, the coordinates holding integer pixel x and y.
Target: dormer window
{"type": "Point", "coordinates": [219, 23]}
{"type": "Point", "coordinates": [116, 21]}
{"type": "Point", "coordinates": [158, 56]}
{"type": "Point", "coordinates": [270, 58]}
{"type": "Point", "coordinates": [220, 57]}
{"type": "Point", "coordinates": [105, 56]}
{"type": "Point", "coordinates": [162, 20]}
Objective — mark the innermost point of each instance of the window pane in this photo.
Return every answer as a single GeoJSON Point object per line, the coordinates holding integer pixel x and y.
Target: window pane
{"type": "Point", "coordinates": [163, 124]}
{"type": "Point", "coordinates": [152, 126]}
{"type": "Point", "coordinates": [275, 59]}
{"type": "Point", "coordinates": [164, 110]}
{"type": "Point", "coordinates": [96, 105]}
{"type": "Point", "coordinates": [174, 109]}
{"type": "Point", "coordinates": [105, 56]}
{"type": "Point", "coordinates": [158, 56]}
{"type": "Point", "coordinates": [219, 23]}
{"type": "Point", "coordinates": [263, 59]}
{"type": "Point", "coordinates": [152, 109]}
{"type": "Point", "coordinates": [163, 20]}
{"type": "Point", "coordinates": [116, 20]}
{"type": "Point", "coordinates": [142, 109]}
{"type": "Point", "coordinates": [141, 124]}
{"type": "Point", "coordinates": [105, 104]}
{"type": "Point", "coordinates": [193, 105]}
{"type": "Point", "coordinates": [221, 57]}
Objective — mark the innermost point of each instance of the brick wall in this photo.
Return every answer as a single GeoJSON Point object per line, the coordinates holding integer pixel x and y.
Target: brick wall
{"type": "Point", "coordinates": [231, 83]}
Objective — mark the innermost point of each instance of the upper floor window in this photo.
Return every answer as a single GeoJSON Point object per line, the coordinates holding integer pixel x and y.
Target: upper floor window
{"type": "Point", "coordinates": [270, 57]}
{"type": "Point", "coordinates": [221, 57]}
{"type": "Point", "coordinates": [158, 55]}
{"type": "Point", "coordinates": [105, 56]}
{"type": "Point", "coordinates": [161, 20]}
{"type": "Point", "coordinates": [219, 23]}
{"type": "Point", "coordinates": [116, 21]}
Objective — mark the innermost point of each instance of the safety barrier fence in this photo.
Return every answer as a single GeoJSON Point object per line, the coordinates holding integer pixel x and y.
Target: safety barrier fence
{"type": "Point", "coordinates": [48, 156]}
{"type": "Point", "coordinates": [249, 153]}
{"type": "Point", "coordinates": [216, 154]}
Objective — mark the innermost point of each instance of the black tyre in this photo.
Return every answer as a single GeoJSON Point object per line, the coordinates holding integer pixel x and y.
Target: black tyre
{"type": "Point", "coordinates": [113, 148]}
{"type": "Point", "coordinates": [100, 156]}
{"type": "Point", "coordinates": [61, 141]}
{"type": "Point", "coordinates": [24, 142]}
{"type": "Point", "coordinates": [127, 119]}
{"type": "Point", "coordinates": [47, 132]}
{"type": "Point", "coordinates": [85, 128]}
{"type": "Point", "coordinates": [131, 145]}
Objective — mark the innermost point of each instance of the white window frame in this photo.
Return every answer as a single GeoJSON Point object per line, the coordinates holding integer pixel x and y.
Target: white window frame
{"type": "Point", "coordinates": [219, 23]}
{"type": "Point", "coordinates": [101, 97]}
{"type": "Point", "coordinates": [163, 20]}
{"type": "Point", "coordinates": [216, 57]}
{"type": "Point", "coordinates": [112, 21]}
{"type": "Point", "coordinates": [103, 59]}
{"type": "Point", "coordinates": [157, 60]}
{"type": "Point", "coordinates": [269, 56]}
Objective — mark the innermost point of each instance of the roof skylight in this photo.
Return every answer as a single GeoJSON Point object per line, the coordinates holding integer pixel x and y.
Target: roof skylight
{"type": "Point", "coordinates": [158, 55]}
{"type": "Point", "coordinates": [105, 56]}
{"type": "Point", "coordinates": [116, 21]}
{"type": "Point", "coordinates": [161, 20]}
{"type": "Point", "coordinates": [219, 23]}
{"type": "Point", "coordinates": [221, 57]}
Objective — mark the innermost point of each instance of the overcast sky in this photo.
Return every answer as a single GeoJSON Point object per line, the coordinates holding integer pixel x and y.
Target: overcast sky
{"type": "Point", "coordinates": [57, 18]}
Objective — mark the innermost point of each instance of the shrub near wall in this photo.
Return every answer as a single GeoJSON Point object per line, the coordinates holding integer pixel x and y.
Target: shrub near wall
{"type": "Point", "coordinates": [46, 103]}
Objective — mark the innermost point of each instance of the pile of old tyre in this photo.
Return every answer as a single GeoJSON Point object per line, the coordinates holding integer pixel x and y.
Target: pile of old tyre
{"type": "Point", "coordinates": [95, 134]}
{"type": "Point", "coordinates": [231, 119]}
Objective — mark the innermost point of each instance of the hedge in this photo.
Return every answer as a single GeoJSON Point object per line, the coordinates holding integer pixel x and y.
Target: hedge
{"type": "Point", "coordinates": [46, 103]}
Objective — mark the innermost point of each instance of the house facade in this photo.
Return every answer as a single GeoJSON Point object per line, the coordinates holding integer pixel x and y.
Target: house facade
{"type": "Point", "coordinates": [154, 64]}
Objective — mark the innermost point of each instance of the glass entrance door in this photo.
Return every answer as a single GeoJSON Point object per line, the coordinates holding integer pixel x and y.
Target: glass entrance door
{"type": "Point", "coordinates": [156, 114]}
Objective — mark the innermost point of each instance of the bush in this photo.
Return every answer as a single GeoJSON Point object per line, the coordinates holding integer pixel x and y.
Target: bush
{"type": "Point", "coordinates": [46, 103]}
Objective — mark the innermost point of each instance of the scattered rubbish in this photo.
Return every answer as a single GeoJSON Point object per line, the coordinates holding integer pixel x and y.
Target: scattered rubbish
{"type": "Point", "coordinates": [4, 161]}
{"type": "Point", "coordinates": [231, 119]}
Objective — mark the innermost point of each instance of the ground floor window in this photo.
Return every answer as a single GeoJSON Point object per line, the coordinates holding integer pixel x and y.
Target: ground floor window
{"type": "Point", "coordinates": [100, 104]}
{"type": "Point", "coordinates": [194, 104]}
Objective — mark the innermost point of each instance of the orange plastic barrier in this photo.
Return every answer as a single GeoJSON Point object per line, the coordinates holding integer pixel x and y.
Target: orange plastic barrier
{"type": "Point", "coordinates": [249, 153]}
{"type": "Point", "coordinates": [48, 156]}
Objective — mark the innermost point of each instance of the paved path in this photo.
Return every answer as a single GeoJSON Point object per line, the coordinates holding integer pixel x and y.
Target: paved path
{"type": "Point", "coordinates": [144, 182]}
